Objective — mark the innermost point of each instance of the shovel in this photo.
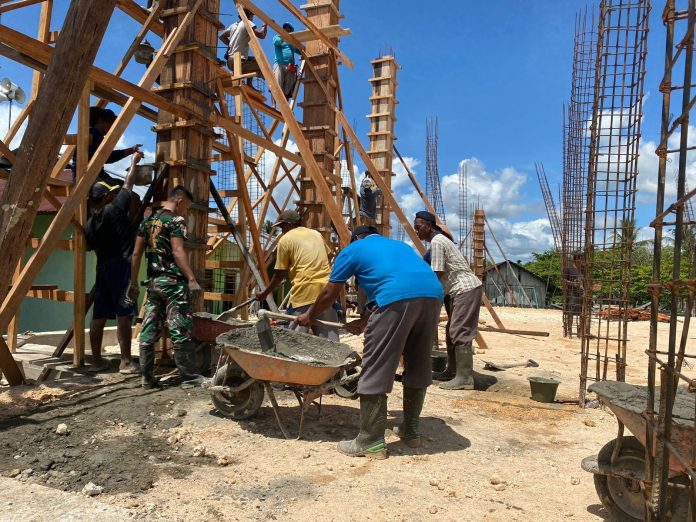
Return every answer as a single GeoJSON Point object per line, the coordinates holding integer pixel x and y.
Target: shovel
{"type": "Point", "coordinates": [229, 314]}
{"type": "Point", "coordinates": [501, 367]}
{"type": "Point", "coordinates": [263, 327]}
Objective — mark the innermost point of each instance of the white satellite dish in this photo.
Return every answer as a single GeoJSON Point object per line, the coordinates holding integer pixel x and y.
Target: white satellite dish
{"type": "Point", "coordinates": [12, 91]}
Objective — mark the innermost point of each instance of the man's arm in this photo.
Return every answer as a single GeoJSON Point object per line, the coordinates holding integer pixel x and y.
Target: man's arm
{"type": "Point", "coordinates": [326, 298]}
{"type": "Point", "coordinates": [278, 277]}
{"type": "Point", "coordinates": [261, 33]}
{"type": "Point", "coordinates": [130, 177]}
{"type": "Point", "coordinates": [181, 260]}
{"type": "Point", "coordinates": [225, 36]}
{"type": "Point", "coordinates": [119, 154]}
{"type": "Point", "coordinates": [134, 290]}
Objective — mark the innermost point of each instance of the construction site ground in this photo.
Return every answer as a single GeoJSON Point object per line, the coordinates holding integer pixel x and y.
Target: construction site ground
{"type": "Point", "coordinates": [489, 455]}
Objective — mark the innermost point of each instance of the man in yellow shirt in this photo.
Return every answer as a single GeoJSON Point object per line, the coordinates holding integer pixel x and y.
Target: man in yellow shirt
{"type": "Point", "coordinates": [302, 257]}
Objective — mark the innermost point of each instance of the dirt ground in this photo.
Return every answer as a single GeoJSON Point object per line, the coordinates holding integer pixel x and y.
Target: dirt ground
{"type": "Point", "coordinates": [489, 455]}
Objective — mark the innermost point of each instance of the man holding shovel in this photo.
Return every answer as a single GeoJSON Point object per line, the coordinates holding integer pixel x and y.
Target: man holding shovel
{"type": "Point", "coordinates": [302, 257]}
{"type": "Point", "coordinates": [404, 298]}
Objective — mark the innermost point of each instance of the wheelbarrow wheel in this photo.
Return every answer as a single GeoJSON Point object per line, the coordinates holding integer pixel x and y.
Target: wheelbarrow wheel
{"type": "Point", "coordinates": [242, 404]}
{"type": "Point", "coordinates": [622, 497]}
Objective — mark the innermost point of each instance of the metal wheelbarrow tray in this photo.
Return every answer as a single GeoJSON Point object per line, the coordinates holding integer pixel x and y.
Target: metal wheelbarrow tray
{"type": "Point", "coordinates": [619, 468]}
{"type": "Point", "coordinates": [306, 365]}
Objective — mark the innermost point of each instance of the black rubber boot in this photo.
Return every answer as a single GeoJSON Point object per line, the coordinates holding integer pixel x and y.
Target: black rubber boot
{"type": "Point", "coordinates": [183, 357]}
{"type": "Point", "coordinates": [464, 379]}
{"type": "Point", "coordinates": [147, 366]}
{"type": "Point", "coordinates": [413, 405]}
{"type": "Point", "coordinates": [373, 421]}
{"type": "Point", "coordinates": [450, 370]}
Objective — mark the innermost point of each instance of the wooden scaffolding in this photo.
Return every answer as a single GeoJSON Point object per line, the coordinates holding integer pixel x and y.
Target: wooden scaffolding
{"type": "Point", "coordinates": [201, 113]}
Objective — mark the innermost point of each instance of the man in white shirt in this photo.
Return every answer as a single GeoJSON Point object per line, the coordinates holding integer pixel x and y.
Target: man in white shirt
{"type": "Point", "coordinates": [465, 292]}
{"type": "Point", "coordinates": [236, 38]}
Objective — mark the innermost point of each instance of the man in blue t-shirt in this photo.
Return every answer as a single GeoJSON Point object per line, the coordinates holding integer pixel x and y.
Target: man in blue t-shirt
{"type": "Point", "coordinates": [285, 69]}
{"type": "Point", "coordinates": [404, 298]}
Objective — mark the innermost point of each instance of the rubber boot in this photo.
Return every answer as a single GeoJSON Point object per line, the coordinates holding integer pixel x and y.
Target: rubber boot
{"type": "Point", "coordinates": [450, 370]}
{"type": "Point", "coordinates": [183, 357]}
{"type": "Point", "coordinates": [373, 421]}
{"type": "Point", "coordinates": [464, 379]}
{"type": "Point", "coordinates": [147, 366]}
{"type": "Point", "coordinates": [413, 405]}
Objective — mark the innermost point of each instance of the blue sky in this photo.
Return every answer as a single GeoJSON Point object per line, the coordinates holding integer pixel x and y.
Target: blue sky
{"type": "Point", "coordinates": [496, 74]}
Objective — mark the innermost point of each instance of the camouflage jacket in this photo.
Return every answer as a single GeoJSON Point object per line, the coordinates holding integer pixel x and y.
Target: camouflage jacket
{"type": "Point", "coordinates": [157, 231]}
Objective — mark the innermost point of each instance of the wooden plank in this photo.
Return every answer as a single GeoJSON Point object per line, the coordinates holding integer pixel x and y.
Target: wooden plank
{"type": "Point", "coordinates": [140, 14]}
{"type": "Point", "coordinates": [305, 151]}
{"type": "Point", "coordinates": [17, 124]}
{"type": "Point", "coordinates": [513, 332]}
{"type": "Point", "coordinates": [13, 327]}
{"type": "Point", "coordinates": [5, 150]}
{"type": "Point", "coordinates": [332, 31]}
{"type": "Point", "coordinates": [80, 243]}
{"type": "Point", "coordinates": [85, 24]}
{"type": "Point", "coordinates": [81, 189]}
{"type": "Point", "coordinates": [17, 5]}
{"type": "Point", "coordinates": [211, 264]}
{"type": "Point", "coordinates": [214, 296]}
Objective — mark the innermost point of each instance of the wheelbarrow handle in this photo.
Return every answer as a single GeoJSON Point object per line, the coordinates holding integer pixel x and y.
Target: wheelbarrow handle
{"type": "Point", "coordinates": [278, 315]}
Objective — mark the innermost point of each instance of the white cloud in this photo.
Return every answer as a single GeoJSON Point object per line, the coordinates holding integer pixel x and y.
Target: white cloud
{"type": "Point", "coordinates": [5, 122]}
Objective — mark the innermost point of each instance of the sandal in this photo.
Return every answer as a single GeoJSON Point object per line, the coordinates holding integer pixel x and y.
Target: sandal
{"type": "Point", "coordinates": [131, 370]}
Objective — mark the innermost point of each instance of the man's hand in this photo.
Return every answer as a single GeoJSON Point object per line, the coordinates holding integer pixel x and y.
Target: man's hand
{"type": "Point", "coordinates": [261, 296]}
{"type": "Point", "coordinates": [194, 287]}
{"type": "Point", "coordinates": [133, 292]}
{"type": "Point", "coordinates": [304, 320]}
{"type": "Point", "coordinates": [356, 327]}
{"type": "Point", "coordinates": [137, 156]}
{"type": "Point", "coordinates": [135, 148]}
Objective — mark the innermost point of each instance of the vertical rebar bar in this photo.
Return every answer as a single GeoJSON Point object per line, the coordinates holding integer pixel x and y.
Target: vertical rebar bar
{"type": "Point", "coordinates": [611, 188]}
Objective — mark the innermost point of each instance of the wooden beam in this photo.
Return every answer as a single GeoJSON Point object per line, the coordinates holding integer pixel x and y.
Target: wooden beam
{"type": "Point", "coordinates": [85, 24]}
{"type": "Point", "coordinates": [305, 151]}
{"type": "Point", "coordinates": [16, 5]}
{"type": "Point", "coordinates": [332, 31]}
{"type": "Point", "coordinates": [140, 15]}
{"type": "Point", "coordinates": [5, 151]}
{"type": "Point", "coordinates": [80, 243]}
{"type": "Point", "coordinates": [81, 189]}
{"type": "Point", "coordinates": [531, 333]}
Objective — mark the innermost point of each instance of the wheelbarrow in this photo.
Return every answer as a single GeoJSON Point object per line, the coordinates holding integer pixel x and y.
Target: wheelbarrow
{"type": "Point", "coordinates": [206, 328]}
{"type": "Point", "coordinates": [308, 366]}
{"type": "Point", "coordinates": [619, 467]}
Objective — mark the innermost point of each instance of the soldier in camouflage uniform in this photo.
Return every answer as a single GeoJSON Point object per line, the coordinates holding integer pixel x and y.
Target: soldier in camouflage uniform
{"type": "Point", "coordinates": [170, 284]}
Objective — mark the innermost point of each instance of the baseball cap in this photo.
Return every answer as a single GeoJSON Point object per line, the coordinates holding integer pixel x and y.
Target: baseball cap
{"type": "Point", "coordinates": [430, 218]}
{"type": "Point", "coordinates": [363, 230]}
{"type": "Point", "coordinates": [288, 27]}
{"type": "Point", "coordinates": [288, 216]}
{"type": "Point", "coordinates": [101, 189]}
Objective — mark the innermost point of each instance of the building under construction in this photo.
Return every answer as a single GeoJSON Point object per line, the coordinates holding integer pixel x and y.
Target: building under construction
{"type": "Point", "coordinates": [247, 149]}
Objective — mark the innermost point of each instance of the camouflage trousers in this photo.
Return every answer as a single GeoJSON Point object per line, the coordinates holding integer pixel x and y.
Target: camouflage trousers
{"type": "Point", "coordinates": [168, 300]}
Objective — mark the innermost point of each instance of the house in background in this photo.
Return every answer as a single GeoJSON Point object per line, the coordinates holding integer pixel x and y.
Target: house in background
{"type": "Point", "coordinates": [509, 284]}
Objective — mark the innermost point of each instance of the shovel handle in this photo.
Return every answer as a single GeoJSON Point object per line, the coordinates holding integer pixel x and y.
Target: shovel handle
{"type": "Point", "coordinates": [278, 315]}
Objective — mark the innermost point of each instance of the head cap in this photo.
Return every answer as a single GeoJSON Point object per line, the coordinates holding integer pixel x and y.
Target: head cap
{"type": "Point", "coordinates": [101, 189]}
{"type": "Point", "coordinates": [363, 230]}
{"type": "Point", "coordinates": [430, 218]}
{"type": "Point", "coordinates": [288, 27]}
{"type": "Point", "coordinates": [291, 217]}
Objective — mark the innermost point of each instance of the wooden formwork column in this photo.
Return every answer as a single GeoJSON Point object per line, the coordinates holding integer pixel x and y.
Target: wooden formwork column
{"type": "Point", "coordinates": [188, 79]}
{"type": "Point", "coordinates": [319, 119]}
{"type": "Point", "coordinates": [382, 121]}
{"type": "Point", "coordinates": [478, 233]}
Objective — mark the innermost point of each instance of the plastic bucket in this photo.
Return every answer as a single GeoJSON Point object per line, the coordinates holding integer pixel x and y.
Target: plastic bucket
{"type": "Point", "coordinates": [439, 359]}
{"type": "Point", "coordinates": [543, 389]}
